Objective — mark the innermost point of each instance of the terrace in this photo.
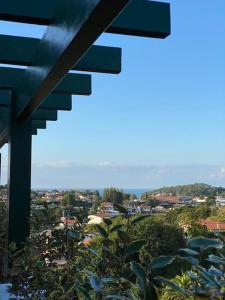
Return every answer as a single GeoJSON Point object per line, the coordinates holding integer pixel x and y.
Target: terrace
{"type": "Point", "coordinates": [32, 96]}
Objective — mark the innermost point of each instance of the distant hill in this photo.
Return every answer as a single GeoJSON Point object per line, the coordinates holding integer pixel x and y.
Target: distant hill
{"type": "Point", "coordinates": [192, 190]}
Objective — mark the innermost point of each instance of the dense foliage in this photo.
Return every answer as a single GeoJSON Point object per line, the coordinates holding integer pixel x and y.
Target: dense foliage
{"type": "Point", "coordinates": [131, 257]}
{"type": "Point", "coordinates": [113, 195]}
{"type": "Point", "coordinates": [192, 190]}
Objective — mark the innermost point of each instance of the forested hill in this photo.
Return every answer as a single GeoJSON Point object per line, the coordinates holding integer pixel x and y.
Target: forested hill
{"type": "Point", "coordinates": [193, 190]}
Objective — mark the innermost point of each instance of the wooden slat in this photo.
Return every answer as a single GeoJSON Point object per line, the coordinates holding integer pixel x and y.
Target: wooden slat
{"type": "Point", "coordinates": [76, 84]}
{"type": "Point", "coordinates": [40, 124]}
{"type": "Point", "coordinates": [40, 114]}
{"type": "Point", "coordinates": [53, 101]}
{"type": "Point", "coordinates": [20, 51]}
{"type": "Point", "coordinates": [143, 18]}
{"type": "Point", "coordinates": [140, 17]}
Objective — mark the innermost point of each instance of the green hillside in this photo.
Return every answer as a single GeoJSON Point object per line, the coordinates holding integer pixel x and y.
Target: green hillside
{"type": "Point", "coordinates": [193, 190]}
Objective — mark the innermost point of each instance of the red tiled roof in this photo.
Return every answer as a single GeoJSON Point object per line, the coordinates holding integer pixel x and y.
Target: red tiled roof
{"type": "Point", "coordinates": [166, 198]}
{"type": "Point", "coordinates": [107, 204]}
{"type": "Point", "coordinates": [146, 206]}
{"type": "Point", "coordinates": [213, 225]}
{"type": "Point", "coordinates": [87, 242]}
{"type": "Point", "coordinates": [70, 222]}
{"type": "Point", "coordinates": [103, 215]}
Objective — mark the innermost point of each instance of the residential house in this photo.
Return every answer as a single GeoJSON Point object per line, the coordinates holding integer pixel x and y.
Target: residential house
{"type": "Point", "coordinates": [99, 217]}
{"type": "Point", "coordinates": [213, 226]}
{"type": "Point", "coordinates": [220, 201]}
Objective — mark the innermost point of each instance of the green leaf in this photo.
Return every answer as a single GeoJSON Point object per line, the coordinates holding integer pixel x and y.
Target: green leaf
{"type": "Point", "coordinates": [215, 272]}
{"type": "Point", "coordinates": [216, 259]}
{"type": "Point", "coordinates": [161, 262]}
{"type": "Point", "coordinates": [54, 295]}
{"type": "Point", "coordinates": [83, 292]}
{"type": "Point", "coordinates": [107, 221]}
{"type": "Point", "coordinates": [138, 219]}
{"type": "Point", "coordinates": [114, 297]}
{"type": "Point", "coordinates": [174, 286]}
{"type": "Point", "coordinates": [205, 243]}
{"type": "Point", "coordinates": [135, 246]}
{"type": "Point", "coordinates": [101, 230]}
{"type": "Point", "coordinates": [107, 242]}
{"type": "Point", "coordinates": [12, 247]}
{"type": "Point", "coordinates": [106, 280]}
{"type": "Point", "coordinates": [189, 251]}
{"type": "Point", "coordinates": [116, 227]}
{"type": "Point", "coordinates": [190, 259]}
{"type": "Point", "coordinates": [121, 209]}
{"type": "Point", "coordinates": [192, 275]}
{"type": "Point", "coordinates": [207, 276]}
{"type": "Point", "coordinates": [123, 236]}
{"type": "Point", "coordinates": [138, 270]}
{"type": "Point", "coordinates": [95, 283]}
{"type": "Point", "coordinates": [94, 252]}
{"type": "Point", "coordinates": [150, 292]}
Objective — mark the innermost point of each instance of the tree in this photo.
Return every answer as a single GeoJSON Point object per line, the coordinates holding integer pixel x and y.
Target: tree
{"type": "Point", "coordinates": [39, 201]}
{"type": "Point", "coordinates": [96, 203]}
{"type": "Point", "coordinates": [188, 215]}
{"type": "Point", "coordinates": [152, 202]}
{"type": "Point", "coordinates": [126, 197]}
{"type": "Point", "coordinates": [163, 238]}
{"type": "Point", "coordinates": [113, 195]}
{"type": "Point", "coordinates": [96, 193]}
{"type": "Point", "coordinates": [64, 201]}
{"type": "Point", "coordinates": [133, 197]}
{"type": "Point", "coordinates": [211, 201]}
{"type": "Point", "coordinates": [68, 199]}
{"type": "Point", "coordinates": [198, 230]}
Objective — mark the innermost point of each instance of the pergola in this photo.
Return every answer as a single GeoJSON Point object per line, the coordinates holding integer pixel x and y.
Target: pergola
{"type": "Point", "coordinates": [30, 97]}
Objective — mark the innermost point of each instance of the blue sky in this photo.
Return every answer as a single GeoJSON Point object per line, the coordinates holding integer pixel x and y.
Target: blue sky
{"type": "Point", "coordinates": [160, 122]}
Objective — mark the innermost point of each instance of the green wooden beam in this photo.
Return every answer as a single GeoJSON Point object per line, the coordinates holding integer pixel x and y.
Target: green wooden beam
{"type": "Point", "coordinates": [5, 97]}
{"type": "Point", "coordinates": [140, 17]}
{"type": "Point", "coordinates": [3, 131]}
{"type": "Point", "coordinates": [3, 136]}
{"type": "Point", "coordinates": [34, 131]}
{"type": "Point", "coordinates": [143, 18]}
{"type": "Point", "coordinates": [57, 102]}
{"type": "Point", "coordinates": [39, 124]}
{"type": "Point", "coordinates": [52, 102]}
{"type": "Point", "coordinates": [76, 84]}
{"type": "Point", "coordinates": [74, 28]}
{"type": "Point", "coordinates": [20, 51]}
{"type": "Point", "coordinates": [40, 114]}
{"type": "Point", "coordinates": [101, 59]}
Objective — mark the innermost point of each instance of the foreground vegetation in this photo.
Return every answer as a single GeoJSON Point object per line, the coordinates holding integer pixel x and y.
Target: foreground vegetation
{"type": "Point", "coordinates": [141, 257]}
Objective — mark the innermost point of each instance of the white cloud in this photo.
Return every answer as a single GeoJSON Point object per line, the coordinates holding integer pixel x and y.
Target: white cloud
{"type": "Point", "coordinates": [53, 164]}
{"type": "Point", "coordinates": [104, 163]}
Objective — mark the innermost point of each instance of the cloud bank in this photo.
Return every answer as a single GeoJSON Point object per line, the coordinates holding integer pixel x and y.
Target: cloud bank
{"type": "Point", "coordinates": [68, 174]}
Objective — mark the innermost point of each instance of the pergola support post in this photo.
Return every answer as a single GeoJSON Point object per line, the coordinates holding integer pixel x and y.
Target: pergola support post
{"type": "Point", "coordinates": [0, 168]}
{"type": "Point", "coordinates": [19, 178]}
